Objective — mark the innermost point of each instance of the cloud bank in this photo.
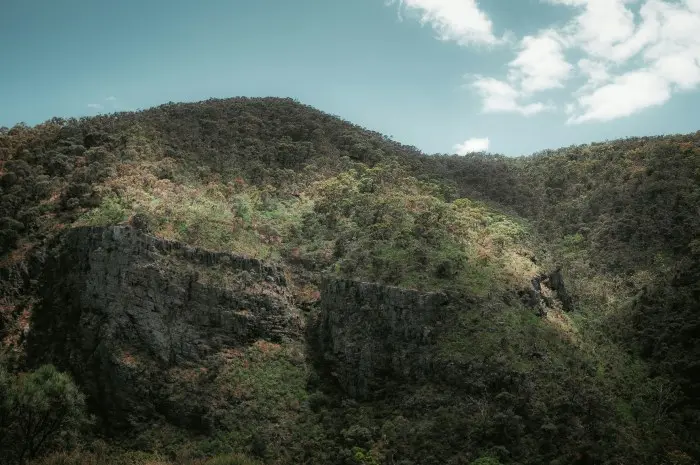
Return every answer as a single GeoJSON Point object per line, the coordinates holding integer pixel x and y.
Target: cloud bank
{"type": "Point", "coordinates": [631, 55]}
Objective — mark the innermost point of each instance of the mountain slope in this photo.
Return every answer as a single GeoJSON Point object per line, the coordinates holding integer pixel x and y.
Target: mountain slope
{"type": "Point", "coordinates": [504, 371]}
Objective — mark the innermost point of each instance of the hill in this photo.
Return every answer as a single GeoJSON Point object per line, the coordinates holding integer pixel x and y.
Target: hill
{"type": "Point", "coordinates": [246, 280]}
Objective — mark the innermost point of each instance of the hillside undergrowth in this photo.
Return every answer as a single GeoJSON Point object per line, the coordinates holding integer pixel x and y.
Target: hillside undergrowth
{"type": "Point", "coordinates": [613, 381]}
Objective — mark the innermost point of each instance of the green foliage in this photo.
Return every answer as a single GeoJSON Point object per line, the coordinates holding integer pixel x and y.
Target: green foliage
{"type": "Point", "coordinates": [613, 382]}
{"type": "Point", "coordinates": [664, 329]}
{"type": "Point", "coordinates": [137, 458]}
{"type": "Point", "coordinates": [111, 211]}
{"type": "Point", "coordinates": [6, 403]}
{"type": "Point", "coordinates": [619, 217]}
{"type": "Point", "coordinates": [381, 224]}
{"type": "Point", "coordinates": [40, 410]}
{"type": "Point", "coordinates": [268, 374]}
{"type": "Point", "coordinates": [486, 461]}
{"type": "Point", "coordinates": [362, 457]}
{"type": "Point", "coordinates": [254, 398]}
{"type": "Point", "coordinates": [232, 459]}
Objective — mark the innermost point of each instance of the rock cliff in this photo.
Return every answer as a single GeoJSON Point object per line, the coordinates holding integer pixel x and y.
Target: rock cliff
{"type": "Point", "coordinates": [119, 309]}
{"type": "Point", "coordinates": [147, 326]}
{"type": "Point", "coordinates": [128, 314]}
{"type": "Point", "coordinates": [373, 335]}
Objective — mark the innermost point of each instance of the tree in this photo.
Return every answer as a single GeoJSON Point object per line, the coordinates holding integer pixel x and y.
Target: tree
{"type": "Point", "coordinates": [39, 410]}
{"type": "Point", "coordinates": [5, 384]}
{"type": "Point", "coordinates": [486, 461]}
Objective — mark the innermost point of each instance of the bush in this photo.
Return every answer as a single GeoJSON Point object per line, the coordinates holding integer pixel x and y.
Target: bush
{"type": "Point", "coordinates": [8, 239]}
{"type": "Point", "coordinates": [8, 180]}
{"type": "Point", "coordinates": [111, 211]}
{"type": "Point", "coordinates": [486, 461]}
{"type": "Point", "coordinates": [231, 459]}
{"type": "Point", "coordinates": [11, 223]}
{"type": "Point", "coordinates": [39, 411]}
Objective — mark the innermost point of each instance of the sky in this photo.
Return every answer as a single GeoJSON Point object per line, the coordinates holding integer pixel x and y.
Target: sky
{"type": "Point", "coordinates": [447, 76]}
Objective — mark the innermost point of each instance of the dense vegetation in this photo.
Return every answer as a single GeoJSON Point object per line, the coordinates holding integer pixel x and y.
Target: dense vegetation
{"type": "Point", "coordinates": [615, 380]}
{"type": "Point", "coordinates": [39, 411]}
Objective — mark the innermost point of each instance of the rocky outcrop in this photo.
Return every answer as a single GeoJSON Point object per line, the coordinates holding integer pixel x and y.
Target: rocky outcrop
{"type": "Point", "coordinates": [131, 316]}
{"type": "Point", "coordinates": [119, 308]}
{"type": "Point", "coordinates": [543, 289]}
{"type": "Point", "coordinates": [556, 283]}
{"type": "Point", "coordinates": [374, 335]}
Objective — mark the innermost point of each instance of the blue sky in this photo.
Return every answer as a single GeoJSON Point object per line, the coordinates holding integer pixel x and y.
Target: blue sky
{"type": "Point", "coordinates": [509, 76]}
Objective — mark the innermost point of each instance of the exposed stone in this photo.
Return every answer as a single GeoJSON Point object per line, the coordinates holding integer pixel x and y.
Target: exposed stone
{"type": "Point", "coordinates": [554, 281]}
{"type": "Point", "coordinates": [128, 313]}
{"type": "Point", "coordinates": [371, 334]}
{"type": "Point", "coordinates": [119, 308]}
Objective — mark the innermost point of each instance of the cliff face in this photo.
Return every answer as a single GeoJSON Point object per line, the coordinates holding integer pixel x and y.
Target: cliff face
{"type": "Point", "coordinates": [157, 332]}
{"type": "Point", "coordinates": [372, 335]}
{"type": "Point", "coordinates": [124, 312]}
{"type": "Point", "coordinates": [129, 315]}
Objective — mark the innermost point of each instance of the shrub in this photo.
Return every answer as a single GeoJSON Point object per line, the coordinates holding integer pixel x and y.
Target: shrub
{"type": "Point", "coordinates": [8, 239]}
{"type": "Point", "coordinates": [111, 211]}
{"type": "Point", "coordinates": [40, 410]}
{"type": "Point", "coordinates": [231, 459]}
{"type": "Point", "coordinates": [486, 461]}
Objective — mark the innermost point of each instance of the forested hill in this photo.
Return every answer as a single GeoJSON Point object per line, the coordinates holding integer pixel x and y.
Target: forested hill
{"type": "Point", "coordinates": [600, 366]}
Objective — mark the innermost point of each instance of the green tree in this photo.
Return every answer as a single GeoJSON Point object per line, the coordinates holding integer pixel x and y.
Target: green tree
{"type": "Point", "coordinates": [5, 383]}
{"type": "Point", "coordinates": [39, 410]}
{"type": "Point", "coordinates": [486, 461]}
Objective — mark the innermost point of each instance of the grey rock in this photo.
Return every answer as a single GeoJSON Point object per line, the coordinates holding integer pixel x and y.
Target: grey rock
{"type": "Point", "coordinates": [532, 297]}
{"type": "Point", "coordinates": [372, 334]}
{"type": "Point", "coordinates": [118, 308]}
{"type": "Point", "coordinates": [556, 282]}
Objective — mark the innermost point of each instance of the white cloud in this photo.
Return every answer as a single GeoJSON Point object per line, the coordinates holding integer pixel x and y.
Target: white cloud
{"type": "Point", "coordinates": [502, 97]}
{"type": "Point", "coordinates": [630, 55]}
{"type": "Point", "coordinates": [111, 99]}
{"type": "Point", "coordinates": [666, 41]}
{"type": "Point", "coordinates": [682, 69]}
{"type": "Point", "coordinates": [95, 106]}
{"type": "Point", "coordinates": [596, 72]}
{"type": "Point", "coordinates": [676, 55]}
{"type": "Point", "coordinates": [626, 95]}
{"type": "Point", "coordinates": [604, 29]}
{"type": "Point", "coordinates": [540, 64]}
{"type": "Point", "coordinates": [460, 21]}
{"type": "Point", "coordinates": [472, 145]}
